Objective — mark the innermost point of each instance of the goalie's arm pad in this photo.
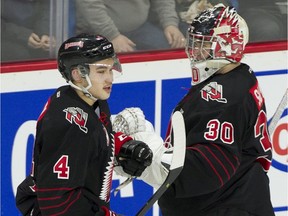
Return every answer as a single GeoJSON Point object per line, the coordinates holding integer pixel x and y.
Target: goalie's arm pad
{"type": "Point", "coordinates": [156, 173]}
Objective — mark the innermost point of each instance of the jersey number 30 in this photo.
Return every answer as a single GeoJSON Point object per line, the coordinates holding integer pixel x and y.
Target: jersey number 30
{"type": "Point", "coordinates": [61, 167]}
{"type": "Point", "coordinates": [224, 131]}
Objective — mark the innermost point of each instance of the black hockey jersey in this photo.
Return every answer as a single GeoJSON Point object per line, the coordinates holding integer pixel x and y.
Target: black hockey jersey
{"type": "Point", "coordinates": [228, 148]}
{"type": "Point", "coordinates": [73, 155]}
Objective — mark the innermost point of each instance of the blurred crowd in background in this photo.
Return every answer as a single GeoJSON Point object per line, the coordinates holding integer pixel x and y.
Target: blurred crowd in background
{"type": "Point", "coordinates": [34, 29]}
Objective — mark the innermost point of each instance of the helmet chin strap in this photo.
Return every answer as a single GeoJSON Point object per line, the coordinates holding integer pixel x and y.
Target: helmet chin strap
{"type": "Point", "coordinates": [83, 89]}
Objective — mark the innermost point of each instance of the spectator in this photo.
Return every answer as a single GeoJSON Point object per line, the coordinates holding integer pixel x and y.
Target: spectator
{"type": "Point", "coordinates": [24, 29]}
{"type": "Point", "coordinates": [263, 17]}
{"type": "Point", "coordinates": [265, 20]}
{"type": "Point", "coordinates": [188, 9]}
{"type": "Point", "coordinates": [126, 23]}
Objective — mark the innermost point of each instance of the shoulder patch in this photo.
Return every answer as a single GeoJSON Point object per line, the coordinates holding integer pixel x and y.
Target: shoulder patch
{"type": "Point", "coordinates": [213, 91]}
{"type": "Point", "coordinates": [77, 116]}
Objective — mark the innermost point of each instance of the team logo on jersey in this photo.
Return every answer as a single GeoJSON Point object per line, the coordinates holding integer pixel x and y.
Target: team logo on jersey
{"type": "Point", "coordinates": [77, 116]}
{"type": "Point", "coordinates": [213, 91]}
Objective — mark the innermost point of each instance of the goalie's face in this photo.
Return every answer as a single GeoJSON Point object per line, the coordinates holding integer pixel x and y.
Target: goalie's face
{"type": "Point", "coordinates": [199, 48]}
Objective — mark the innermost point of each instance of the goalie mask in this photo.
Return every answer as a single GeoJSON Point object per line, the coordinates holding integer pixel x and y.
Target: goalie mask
{"type": "Point", "coordinates": [82, 52]}
{"type": "Point", "coordinates": [215, 38]}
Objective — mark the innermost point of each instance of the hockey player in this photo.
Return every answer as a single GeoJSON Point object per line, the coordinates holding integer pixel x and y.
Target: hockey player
{"type": "Point", "coordinates": [228, 149]}
{"type": "Point", "coordinates": [75, 146]}
{"type": "Point", "coordinates": [228, 146]}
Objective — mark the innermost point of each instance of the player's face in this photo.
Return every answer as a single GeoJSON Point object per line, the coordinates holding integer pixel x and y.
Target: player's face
{"type": "Point", "coordinates": [199, 48]}
{"type": "Point", "coordinates": [102, 75]}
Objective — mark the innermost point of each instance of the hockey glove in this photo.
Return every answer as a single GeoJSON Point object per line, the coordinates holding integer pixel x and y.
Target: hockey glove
{"type": "Point", "coordinates": [133, 156]}
{"type": "Point", "coordinates": [131, 120]}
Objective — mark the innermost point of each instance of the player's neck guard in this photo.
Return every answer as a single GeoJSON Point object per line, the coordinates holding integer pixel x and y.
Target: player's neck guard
{"type": "Point", "coordinates": [203, 70]}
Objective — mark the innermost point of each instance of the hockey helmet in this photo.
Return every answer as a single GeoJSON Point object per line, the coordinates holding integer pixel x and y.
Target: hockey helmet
{"type": "Point", "coordinates": [82, 50]}
{"type": "Point", "coordinates": [215, 38]}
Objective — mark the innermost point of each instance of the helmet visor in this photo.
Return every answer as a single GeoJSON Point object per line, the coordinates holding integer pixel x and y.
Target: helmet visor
{"type": "Point", "coordinates": [103, 70]}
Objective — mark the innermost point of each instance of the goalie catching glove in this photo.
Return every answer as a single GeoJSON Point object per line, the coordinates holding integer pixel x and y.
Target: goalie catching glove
{"type": "Point", "coordinates": [131, 120]}
{"type": "Point", "coordinates": [132, 155]}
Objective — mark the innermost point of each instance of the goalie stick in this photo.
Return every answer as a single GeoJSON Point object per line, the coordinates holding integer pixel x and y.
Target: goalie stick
{"type": "Point", "coordinates": [279, 111]}
{"type": "Point", "coordinates": [179, 141]}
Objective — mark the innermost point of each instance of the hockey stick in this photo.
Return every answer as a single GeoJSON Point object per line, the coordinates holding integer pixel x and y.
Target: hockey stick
{"type": "Point", "coordinates": [179, 141]}
{"type": "Point", "coordinates": [279, 111]}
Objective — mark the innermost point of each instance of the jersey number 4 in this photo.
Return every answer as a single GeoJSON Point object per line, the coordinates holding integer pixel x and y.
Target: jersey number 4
{"type": "Point", "coordinates": [61, 167]}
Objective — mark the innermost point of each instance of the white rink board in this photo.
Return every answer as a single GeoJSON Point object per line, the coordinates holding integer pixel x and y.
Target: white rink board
{"type": "Point", "coordinates": [273, 86]}
{"type": "Point", "coordinates": [134, 72]}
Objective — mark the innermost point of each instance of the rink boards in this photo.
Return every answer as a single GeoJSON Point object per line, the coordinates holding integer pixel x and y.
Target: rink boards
{"type": "Point", "coordinates": [155, 87]}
